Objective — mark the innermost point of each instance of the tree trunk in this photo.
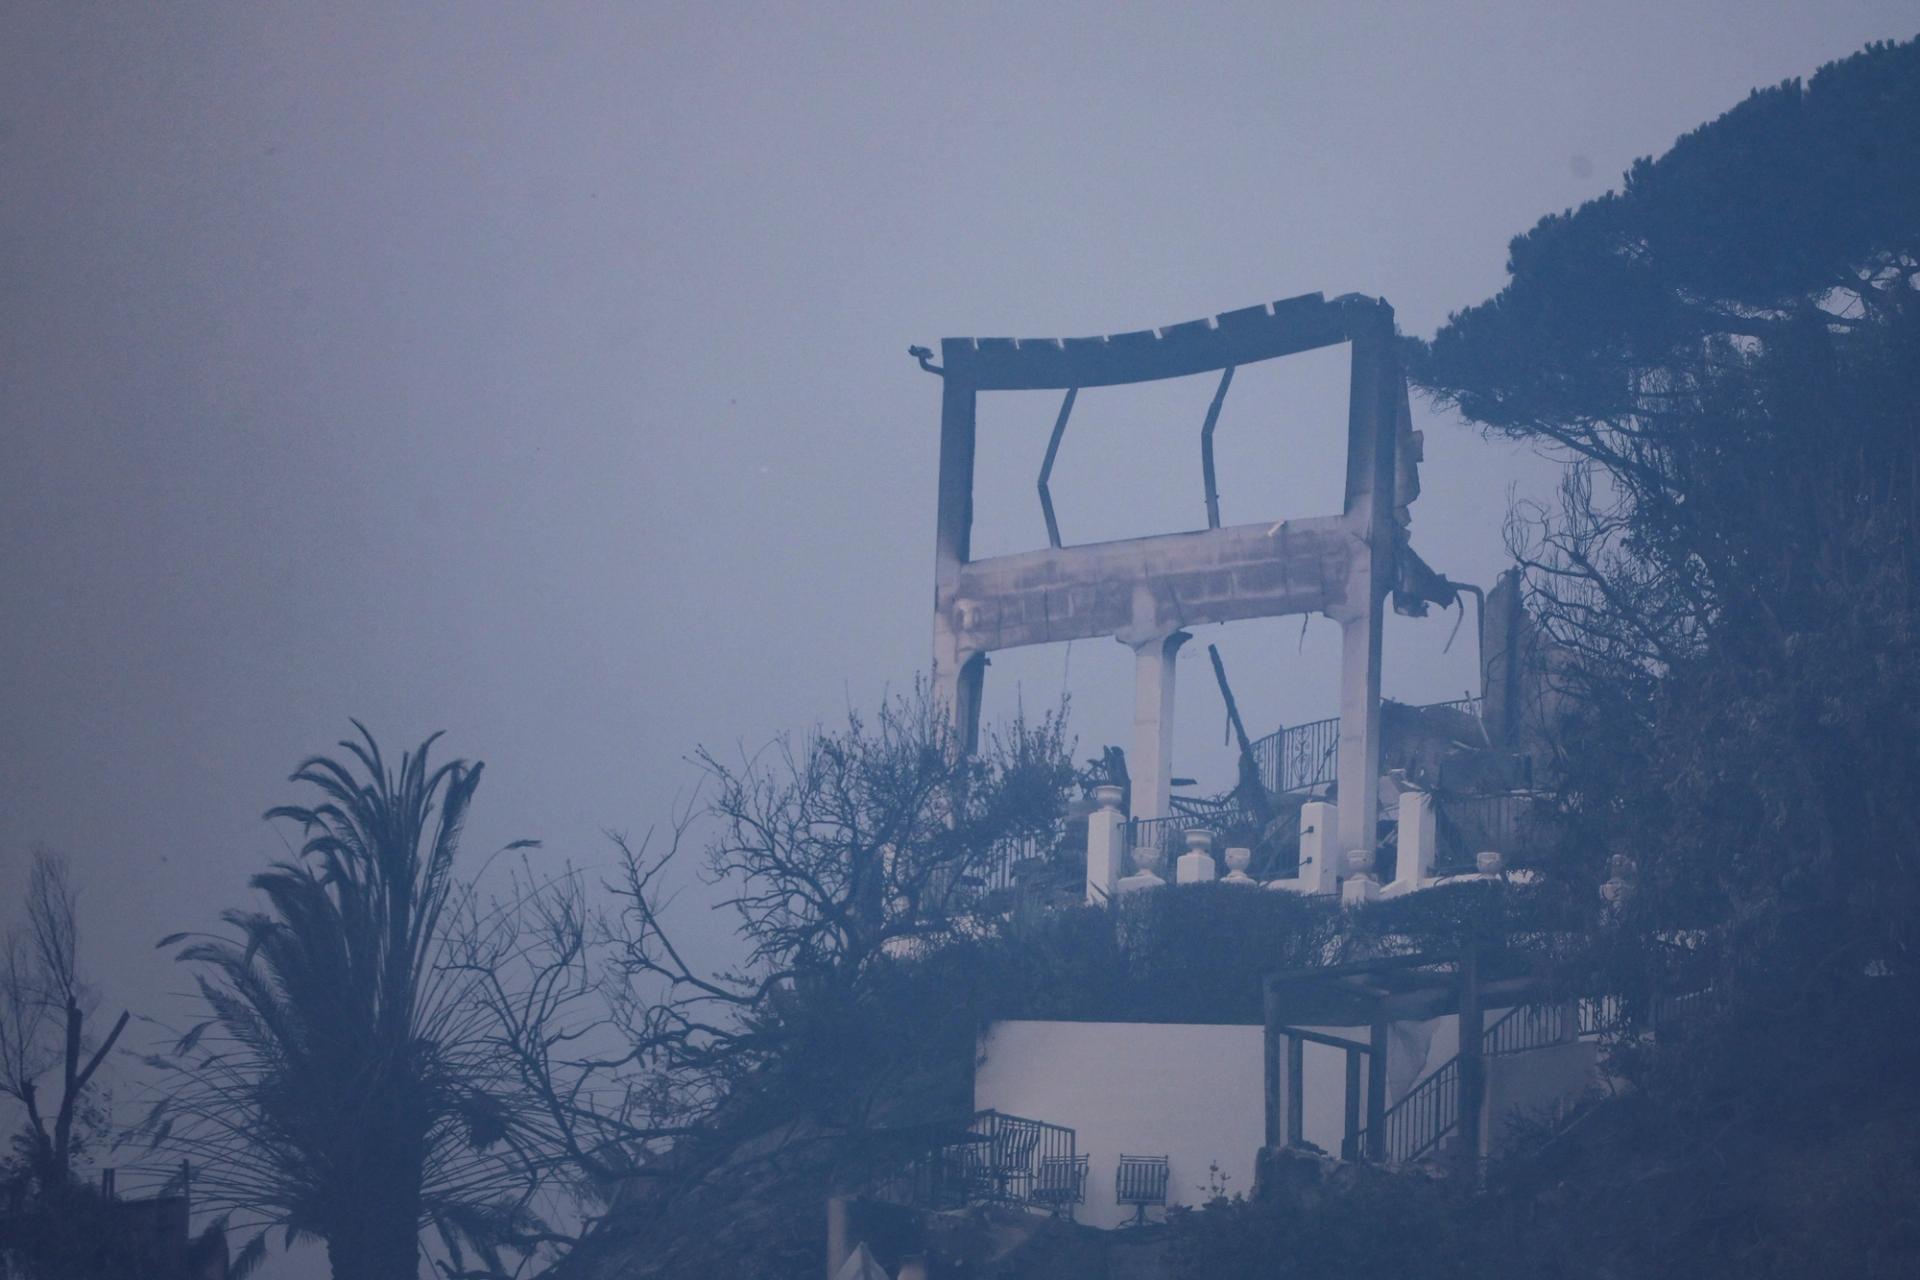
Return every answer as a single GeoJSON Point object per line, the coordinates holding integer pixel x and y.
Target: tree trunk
{"type": "Point", "coordinates": [375, 1234]}
{"type": "Point", "coordinates": [375, 1248]}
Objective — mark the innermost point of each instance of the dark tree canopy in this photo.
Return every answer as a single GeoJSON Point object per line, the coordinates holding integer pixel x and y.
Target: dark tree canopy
{"type": "Point", "coordinates": [1805, 196]}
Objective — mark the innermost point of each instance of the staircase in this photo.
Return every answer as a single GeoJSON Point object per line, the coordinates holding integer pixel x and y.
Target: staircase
{"type": "Point", "coordinates": [1416, 1125]}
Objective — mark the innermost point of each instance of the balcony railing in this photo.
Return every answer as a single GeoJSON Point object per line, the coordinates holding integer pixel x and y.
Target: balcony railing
{"type": "Point", "coordinates": [997, 1159]}
{"type": "Point", "coordinates": [1000, 868]}
{"type": "Point", "coordinates": [1298, 758]}
{"type": "Point", "coordinates": [1304, 756]}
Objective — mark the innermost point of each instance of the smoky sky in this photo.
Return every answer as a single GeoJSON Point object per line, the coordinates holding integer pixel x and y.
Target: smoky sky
{"type": "Point", "coordinates": [538, 372]}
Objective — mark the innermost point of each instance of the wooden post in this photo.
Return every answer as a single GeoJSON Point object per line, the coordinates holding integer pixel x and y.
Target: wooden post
{"type": "Point", "coordinates": [1350, 1132]}
{"type": "Point", "coordinates": [1270, 1136]}
{"type": "Point", "coordinates": [1296, 1091]}
{"type": "Point", "coordinates": [1377, 1092]}
{"type": "Point", "coordinates": [1472, 1066]}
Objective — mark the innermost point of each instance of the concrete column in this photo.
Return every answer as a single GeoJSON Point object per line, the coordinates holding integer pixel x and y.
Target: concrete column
{"type": "Point", "coordinates": [957, 673]}
{"type": "Point", "coordinates": [1358, 761]}
{"type": "Point", "coordinates": [1417, 844]}
{"type": "Point", "coordinates": [1106, 854]}
{"type": "Point", "coordinates": [1373, 390]}
{"type": "Point", "coordinates": [1151, 764]}
{"type": "Point", "coordinates": [958, 677]}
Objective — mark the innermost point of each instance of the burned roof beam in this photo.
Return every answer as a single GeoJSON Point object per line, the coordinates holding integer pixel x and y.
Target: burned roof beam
{"type": "Point", "coordinates": [1238, 337]}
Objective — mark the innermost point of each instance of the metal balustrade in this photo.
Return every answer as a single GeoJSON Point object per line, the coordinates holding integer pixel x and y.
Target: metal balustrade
{"type": "Point", "coordinates": [1533, 1026]}
{"type": "Point", "coordinates": [997, 1159]}
{"type": "Point", "coordinates": [999, 868]}
{"type": "Point", "coordinates": [1305, 756]}
{"type": "Point", "coordinates": [1416, 1124]}
{"type": "Point", "coordinates": [1298, 758]}
{"type": "Point", "coordinates": [1421, 1120]}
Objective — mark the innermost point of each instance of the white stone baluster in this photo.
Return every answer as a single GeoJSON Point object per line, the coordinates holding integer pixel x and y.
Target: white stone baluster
{"type": "Point", "coordinates": [1238, 860]}
{"type": "Point", "coordinates": [1196, 865]}
{"type": "Point", "coordinates": [1145, 858]}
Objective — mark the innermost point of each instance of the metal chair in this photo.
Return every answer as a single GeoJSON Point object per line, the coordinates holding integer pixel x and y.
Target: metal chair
{"type": "Point", "coordinates": [1012, 1156]}
{"type": "Point", "coordinates": [1061, 1184]}
{"type": "Point", "coordinates": [1141, 1181]}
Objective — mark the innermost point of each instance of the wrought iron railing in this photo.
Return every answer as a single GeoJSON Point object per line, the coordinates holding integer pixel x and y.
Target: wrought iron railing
{"type": "Point", "coordinates": [1298, 758]}
{"type": "Point", "coordinates": [1304, 756]}
{"type": "Point", "coordinates": [1601, 1015]}
{"type": "Point", "coordinates": [1000, 868]}
{"type": "Point", "coordinates": [996, 1159]}
{"type": "Point", "coordinates": [1421, 1120]}
{"type": "Point", "coordinates": [1416, 1124]}
{"type": "Point", "coordinates": [1533, 1026]}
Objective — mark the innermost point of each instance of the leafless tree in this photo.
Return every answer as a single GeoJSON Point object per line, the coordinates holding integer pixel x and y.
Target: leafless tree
{"type": "Point", "coordinates": [841, 856]}
{"type": "Point", "coordinates": [834, 854]}
{"type": "Point", "coordinates": [44, 1009]}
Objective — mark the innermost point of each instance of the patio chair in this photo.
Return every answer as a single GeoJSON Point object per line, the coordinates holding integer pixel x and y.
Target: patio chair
{"type": "Point", "coordinates": [1141, 1181]}
{"type": "Point", "coordinates": [1061, 1184]}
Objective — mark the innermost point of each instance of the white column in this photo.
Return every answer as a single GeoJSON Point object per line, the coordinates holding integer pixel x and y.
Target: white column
{"type": "Point", "coordinates": [1106, 833]}
{"type": "Point", "coordinates": [1151, 764]}
{"type": "Point", "coordinates": [958, 676]}
{"type": "Point", "coordinates": [1416, 844]}
{"type": "Point", "coordinates": [1358, 762]}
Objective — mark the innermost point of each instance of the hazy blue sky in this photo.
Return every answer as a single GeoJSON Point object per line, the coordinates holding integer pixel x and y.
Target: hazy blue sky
{"type": "Point", "coordinates": [538, 372]}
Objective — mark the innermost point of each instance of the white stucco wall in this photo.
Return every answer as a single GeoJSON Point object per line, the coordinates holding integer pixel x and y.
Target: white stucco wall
{"type": "Point", "coordinates": [1190, 1092]}
{"type": "Point", "coordinates": [1193, 1092]}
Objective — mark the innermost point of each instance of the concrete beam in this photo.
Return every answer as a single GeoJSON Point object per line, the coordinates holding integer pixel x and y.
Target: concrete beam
{"type": "Point", "coordinates": [1140, 588]}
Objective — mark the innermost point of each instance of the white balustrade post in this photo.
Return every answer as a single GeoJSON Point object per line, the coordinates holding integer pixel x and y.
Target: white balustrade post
{"type": "Point", "coordinates": [1238, 860]}
{"type": "Point", "coordinates": [1196, 865]}
{"type": "Point", "coordinates": [1360, 884]}
{"type": "Point", "coordinates": [1417, 844]}
{"type": "Point", "coordinates": [1319, 870]}
{"type": "Point", "coordinates": [1146, 857]}
{"type": "Point", "coordinates": [1106, 831]}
